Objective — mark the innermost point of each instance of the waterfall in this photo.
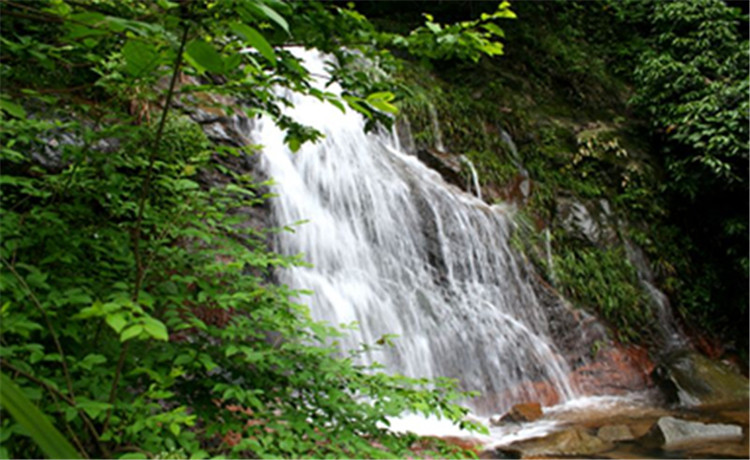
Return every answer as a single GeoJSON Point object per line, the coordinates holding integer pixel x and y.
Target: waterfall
{"type": "Point", "coordinates": [474, 176]}
{"type": "Point", "coordinates": [436, 132]}
{"type": "Point", "coordinates": [671, 332]}
{"type": "Point", "coordinates": [397, 250]}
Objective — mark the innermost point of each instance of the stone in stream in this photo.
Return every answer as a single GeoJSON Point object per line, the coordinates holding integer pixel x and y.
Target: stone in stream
{"type": "Point", "coordinates": [672, 433]}
{"type": "Point", "coordinates": [613, 433]}
{"type": "Point", "coordinates": [520, 413]}
{"type": "Point", "coordinates": [566, 443]}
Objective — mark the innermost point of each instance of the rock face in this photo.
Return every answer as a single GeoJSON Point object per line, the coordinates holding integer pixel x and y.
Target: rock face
{"type": "Point", "coordinates": [616, 370]}
{"type": "Point", "coordinates": [590, 221]}
{"type": "Point", "coordinates": [447, 165]}
{"type": "Point", "coordinates": [691, 379]}
{"type": "Point", "coordinates": [671, 433]}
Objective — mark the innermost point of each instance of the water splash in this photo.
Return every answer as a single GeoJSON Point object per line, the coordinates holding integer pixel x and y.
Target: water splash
{"type": "Point", "coordinates": [398, 250]}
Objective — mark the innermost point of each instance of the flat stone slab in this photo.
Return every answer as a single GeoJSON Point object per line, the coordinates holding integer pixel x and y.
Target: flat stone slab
{"type": "Point", "coordinates": [673, 433]}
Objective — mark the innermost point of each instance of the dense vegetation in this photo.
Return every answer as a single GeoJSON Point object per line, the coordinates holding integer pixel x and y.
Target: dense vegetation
{"type": "Point", "coordinates": [142, 317]}
{"type": "Point", "coordinates": [139, 312]}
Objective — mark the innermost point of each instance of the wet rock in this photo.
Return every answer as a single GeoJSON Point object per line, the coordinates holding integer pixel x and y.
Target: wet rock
{"type": "Point", "coordinates": [735, 416]}
{"type": "Point", "coordinates": [691, 379]}
{"type": "Point", "coordinates": [613, 433]}
{"type": "Point", "coordinates": [448, 166]}
{"type": "Point", "coordinates": [639, 428]}
{"type": "Point", "coordinates": [590, 221]}
{"type": "Point", "coordinates": [672, 433]}
{"type": "Point", "coordinates": [522, 413]}
{"type": "Point", "coordinates": [500, 453]}
{"type": "Point", "coordinates": [570, 442]}
{"type": "Point", "coordinates": [720, 450]}
{"type": "Point", "coordinates": [542, 392]}
{"type": "Point", "coordinates": [615, 370]}
{"type": "Point", "coordinates": [575, 331]}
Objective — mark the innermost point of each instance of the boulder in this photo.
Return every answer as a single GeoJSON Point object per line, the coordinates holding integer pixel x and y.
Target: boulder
{"type": "Point", "coordinates": [524, 412]}
{"type": "Point", "coordinates": [566, 443]}
{"type": "Point", "coordinates": [520, 413]}
{"type": "Point", "coordinates": [672, 433]}
{"type": "Point", "coordinates": [639, 428]}
{"type": "Point", "coordinates": [691, 379]}
{"type": "Point", "coordinates": [614, 433]}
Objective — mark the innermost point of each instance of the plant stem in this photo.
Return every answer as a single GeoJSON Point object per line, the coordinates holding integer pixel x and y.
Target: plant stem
{"type": "Point", "coordinates": [140, 268]}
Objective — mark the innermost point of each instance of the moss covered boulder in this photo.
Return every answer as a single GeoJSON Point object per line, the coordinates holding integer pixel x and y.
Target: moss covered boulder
{"type": "Point", "coordinates": [691, 379]}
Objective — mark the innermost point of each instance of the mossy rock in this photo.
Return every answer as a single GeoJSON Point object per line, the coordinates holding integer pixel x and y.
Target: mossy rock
{"type": "Point", "coordinates": [691, 379]}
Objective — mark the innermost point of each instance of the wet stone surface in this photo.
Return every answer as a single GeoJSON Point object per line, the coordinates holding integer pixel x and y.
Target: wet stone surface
{"type": "Point", "coordinates": [618, 428]}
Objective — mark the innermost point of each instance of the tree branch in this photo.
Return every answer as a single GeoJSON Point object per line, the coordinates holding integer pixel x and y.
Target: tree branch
{"type": "Point", "coordinates": [140, 268]}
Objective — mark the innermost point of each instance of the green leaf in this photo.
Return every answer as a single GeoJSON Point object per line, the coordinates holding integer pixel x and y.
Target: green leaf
{"type": "Point", "coordinates": [44, 434]}
{"type": "Point", "coordinates": [354, 103]}
{"type": "Point", "coordinates": [131, 332]}
{"type": "Point", "coordinates": [207, 362]}
{"type": "Point", "coordinates": [92, 408]}
{"type": "Point", "coordinates": [155, 329]}
{"type": "Point", "coordinates": [91, 360]}
{"type": "Point", "coordinates": [140, 58]}
{"type": "Point", "coordinates": [13, 109]}
{"type": "Point", "coordinates": [383, 106]}
{"type": "Point", "coordinates": [255, 39]}
{"type": "Point", "coordinates": [381, 95]}
{"type": "Point", "coordinates": [117, 321]}
{"type": "Point", "coordinates": [294, 143]}
{"type": "Point", "coordinates": [494, 29]}
{"type": "Point", "coordinates": [273, 16]}
{"type": "Point", "coordinates": [205, 56]}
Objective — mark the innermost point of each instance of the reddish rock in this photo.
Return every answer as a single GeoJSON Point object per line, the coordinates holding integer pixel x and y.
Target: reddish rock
{"type": "Point", "coordinates": [543, 393]}
{"type": "Point", "coordinates": [524, 412]}
{"type": "Point", "coordinates": [616, 370]}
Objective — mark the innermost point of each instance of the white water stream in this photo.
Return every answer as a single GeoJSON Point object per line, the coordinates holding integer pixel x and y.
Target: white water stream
{"type": "Point", "coordinates": [399, 251]}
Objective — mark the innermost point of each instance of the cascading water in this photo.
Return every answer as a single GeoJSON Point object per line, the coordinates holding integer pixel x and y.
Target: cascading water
{"type": "Point", "coordinates": [399, 251]}
{"type": "Point", "coordinates": [436, 131]}
{"type": "Point", "coordinates": [474, 177]}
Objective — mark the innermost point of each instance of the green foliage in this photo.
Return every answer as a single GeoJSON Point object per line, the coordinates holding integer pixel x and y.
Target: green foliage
{"type": "Point", "coordinates": [467, 40]}
{"type": "Point", "coordinates": [603, 280]}
{"type": "Point", "coordinates": [693, 84]}
{"type": "Point", "coordinates": [139, 310]}
{"type": "Point", "coordinates": [49, 439]}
